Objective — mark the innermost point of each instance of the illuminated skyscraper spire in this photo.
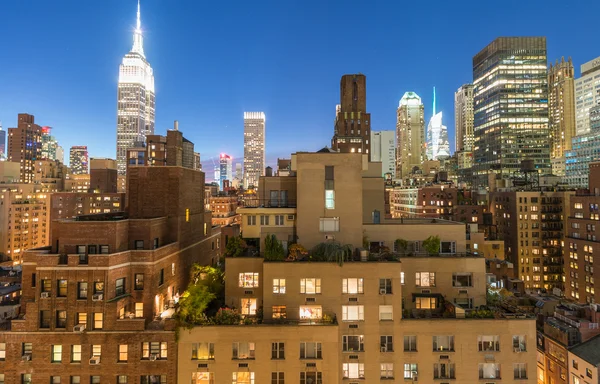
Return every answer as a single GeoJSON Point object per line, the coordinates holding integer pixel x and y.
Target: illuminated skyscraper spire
{"type": "Point", "coordinates": [433, 102]}
{"type": "Point", "coordinates": [138, 40]}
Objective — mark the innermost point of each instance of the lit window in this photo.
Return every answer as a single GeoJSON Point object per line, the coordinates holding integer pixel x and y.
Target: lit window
{"type": "Point", "coordinates": [488, 343]}
{"type": "Point", "coordinates": [243, 350]}
{"type": "Point", "coordinates": [248, 306]}
{"type": "Point", "coordinates": [353, 312]}
{"type": "Point", "coordinates": [56, 353]}
{"type": "Point", "coordinates": [122, 352]}
{"type": "Point", "coordinates": [310, 286]}
{"type": "Point", "coordinates": [279, 312]}
{"type": "Point", "coordinates": [155, 349]}
{"type": "Point", "coordinates": [203, 351]}
{"type": "Point", "coordinates": [203, 378]}
{"type": "Point", "coordinates": [352, 286]}
{"type": "Point", "coordinates": [248, 280]}
{"type": "Point", "coordinates": [310, 312]}
{"type": "Point", "coordinates": [242, 377]}
{"type": "Point", "coordinates": [410, 371]}
{"type": "Point", "coordinates": [98, 320]}
{"type": "Point", "coordinates": [279, 286]}
{"type": "Point", "coordinates": [443, 343]}
{"type": "Point", "coordinates": [425, 302]}
{"type": "Point", "coordinates": [386, 370]}
{"type": "Point", "coordinates": [353, 370]}
{"type": "Point", "coordinates": [489, 371]}
{"type": "Point", "coordinates": [425, 279]}
{"type": "Point", "coordinates": [310, 350]}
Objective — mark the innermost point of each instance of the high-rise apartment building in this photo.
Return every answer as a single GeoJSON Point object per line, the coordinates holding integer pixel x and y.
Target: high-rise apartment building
{"type": "Point", "coordinates": [463, 121]}
{"type": "Point", "coordinates": [410, 135]}
{"type": "Point", "coordinates": [585, 149]}
{"type": "Point", "coordinates": [582, 253]}
{"type": "Point", "coordinates": [254, 147]}
{"type": "Point", "coordinates": [103, 175]}
{"type": "Point", "coordinates": [532, 225]}
{"type": "Point", "coordinates": [49, 144]}
{"type": "Point", "coordinates": [383, 148]}
{"type": "Point", "coordinates": [135, 105]}
{"type": "Point", "coordinates": [78, 160]}
{"type": "Point", "coordinates": [226, 169]}
{"type": "Point", "coordinates": [24, 219]}
{"type": "Point", "coordinates": [2, 142]}
{"type": "Point", "coordinates": [561, 111]}
{"type": "Point", "coordinates": [352, 122]}
{"type": "Point", "coordinates": [24, 145]}
{"type": "Point", "coordinates": [511, 107]}
{"type": "Point", "coordinates": [587, 94]}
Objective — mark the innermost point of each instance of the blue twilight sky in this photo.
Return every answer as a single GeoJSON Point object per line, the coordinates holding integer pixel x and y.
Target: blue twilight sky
{"type": "Point", "coordinates": [213, 60]}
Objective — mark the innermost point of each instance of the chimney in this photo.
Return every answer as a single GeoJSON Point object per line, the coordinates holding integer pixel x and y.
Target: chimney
{"type": "Point", "coordinates": [176, 125]}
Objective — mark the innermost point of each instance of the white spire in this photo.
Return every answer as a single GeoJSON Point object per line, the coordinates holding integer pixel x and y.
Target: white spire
{"type": "Point", "coordinates": [138, 40]}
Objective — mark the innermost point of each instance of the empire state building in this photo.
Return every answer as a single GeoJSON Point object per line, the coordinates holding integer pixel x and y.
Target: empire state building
{"type": "Point", "coordinates": [135, 105]}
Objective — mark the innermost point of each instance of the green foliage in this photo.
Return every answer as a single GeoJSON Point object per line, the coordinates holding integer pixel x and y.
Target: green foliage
{"type": "Point", "coordinates": [235, 247]}
{"type": "Point", "coordinates": [273, 248]}
{"type": "Point", "coordinates": [496, 296]}
{"type": "Point", "coordinates": [193, 304]}
{"type": "Point", "coordinates": [401, 245]}
{"type": "Point", "coordinates": [332, 251]}
{"type": "Point", "coordinates": [432, 245]}
{"type": "Point", "coordinates": [480, 314]}
{"type": "Point", "coordinates": [365, 240]}
{"type": "Point", "coordinates": [202, 297]}
{"type": "Point", "coordinates": [227, 316]}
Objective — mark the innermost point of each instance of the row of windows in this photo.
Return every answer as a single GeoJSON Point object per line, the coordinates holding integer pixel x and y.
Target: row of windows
{"type": "Point", "coordinates": [150, 351]}
{"type": "Point", "coordinates": [26, 378]}
{"type": "Point", "coordinates": [354, 343]}
{"type": "Point", "coordinates": [354, 285]}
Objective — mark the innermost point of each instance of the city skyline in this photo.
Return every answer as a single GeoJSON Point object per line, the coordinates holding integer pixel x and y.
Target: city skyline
{"type": "Point", "coordinates": [223, 99]}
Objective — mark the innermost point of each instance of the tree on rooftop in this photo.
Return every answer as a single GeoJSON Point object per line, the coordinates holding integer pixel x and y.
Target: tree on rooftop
{"type": "Point", "coordinates": [332, 251]}
{"type": "Point", "coordinates": [235, 247]}
{"type": "Point", "coordinates": [273, 248]}
{"type": "Point", "coordinates": [432, 245]}
{"type": "Point", "coordinates": [401, 245]}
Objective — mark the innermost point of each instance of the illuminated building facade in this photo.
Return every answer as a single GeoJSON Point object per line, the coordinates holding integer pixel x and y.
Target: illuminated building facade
{"type": "Point", "coordinates": [511, 107]}
{"type": "Point", "coordinates": [49, 144]}
{"type": "Point", "coordinates": [226, 169]}
{"type": "Point", "coordinates": [78, 160]}
{"type": "Point", "coordinates": [463, 120]}
{"type": "Point", "coordinates": [254, 147]}
{"type": "Point", "coordinates": [587, 94]}
{"type": "Point", "coordinates": [135, 106]}
{"type": "Point", "coordinates": [561, 93]}
{"type": "Point", "coordinates": [2, 142]}
{"type": "Point", "coordinates": [410, 134]}
{"type": "Point", "coordinates": [437, 136]}
{"type": "Point", "coordinates": [585, 149]}
{"type": "Point", "coordinates": [25, 146]}
{"type": "Point", "coordinates": [352, 122]}
{"type": "Point", "coordinates": [383, 148]}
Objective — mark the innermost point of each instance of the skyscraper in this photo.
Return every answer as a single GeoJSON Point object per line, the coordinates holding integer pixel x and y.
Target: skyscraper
{"type": "Point", "coordinates": [511, 107]}
{"type": "Point", "coordinates": [438, 147]}
{"type": "Point", "coordinates": [410, 134]}
{"type": "Point", "coordinates": [587, 94]}
{"type": "Point", "coordinates": [561, 104]}
{"type": "Point", "coordinates": [2, 142]}
{"type": "Point", "coordinates": [463, 122]}
{"type": "Point", "coordinates": [25, 145]}
{"type": "Point", "coordinates": [60, 154]}
{"type": "Point", "coordinates": [226, 169]}
{"type": "Point", "coordinates": [135, 105]}
{"type": "Point", "coordinates": [49, 144]}
{"type": "Point", "coordinates": [383, 149]}
{"type": "Point", "coordinates": [352, 122]}
{"type": "Point", "coordinates": [78, 160]}
{"type": "Point", "coordinates": [254, 147]}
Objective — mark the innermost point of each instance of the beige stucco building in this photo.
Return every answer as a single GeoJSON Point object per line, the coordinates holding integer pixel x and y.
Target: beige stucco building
{"type": "Point", "coordinates": [323, 322]}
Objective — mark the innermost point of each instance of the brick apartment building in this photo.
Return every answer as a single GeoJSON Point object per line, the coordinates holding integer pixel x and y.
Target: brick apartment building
{"type": "Point", "coordinates": [97, 302]}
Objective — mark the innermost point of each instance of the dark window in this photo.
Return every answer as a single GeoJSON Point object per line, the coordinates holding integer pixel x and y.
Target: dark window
{"type": "Point", "coordinates": [139, 244]}
{"type": "Point", "coordinates": [161, 277]}
{"type": "Point", "coordinates": [33, 280]}
{"type": "Point", "coordinates": [139, 281]}
{"type": "Point", "coordinates": [45, 319]}
{"type": "Point", "coordinates": [155, 245]}
{"type": "Point", "coordinates": [92, 249]}
{"type": "Point", "coordinates": [82, 290]}
{"type": "Point", "coordinates": [153, 379]}
{"type": "Point", "coordinates": [27, 349]}
{"type": "Point", "coordinates": [120, 287]}
{"type": "Point", "coordinates": [104, 249]}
